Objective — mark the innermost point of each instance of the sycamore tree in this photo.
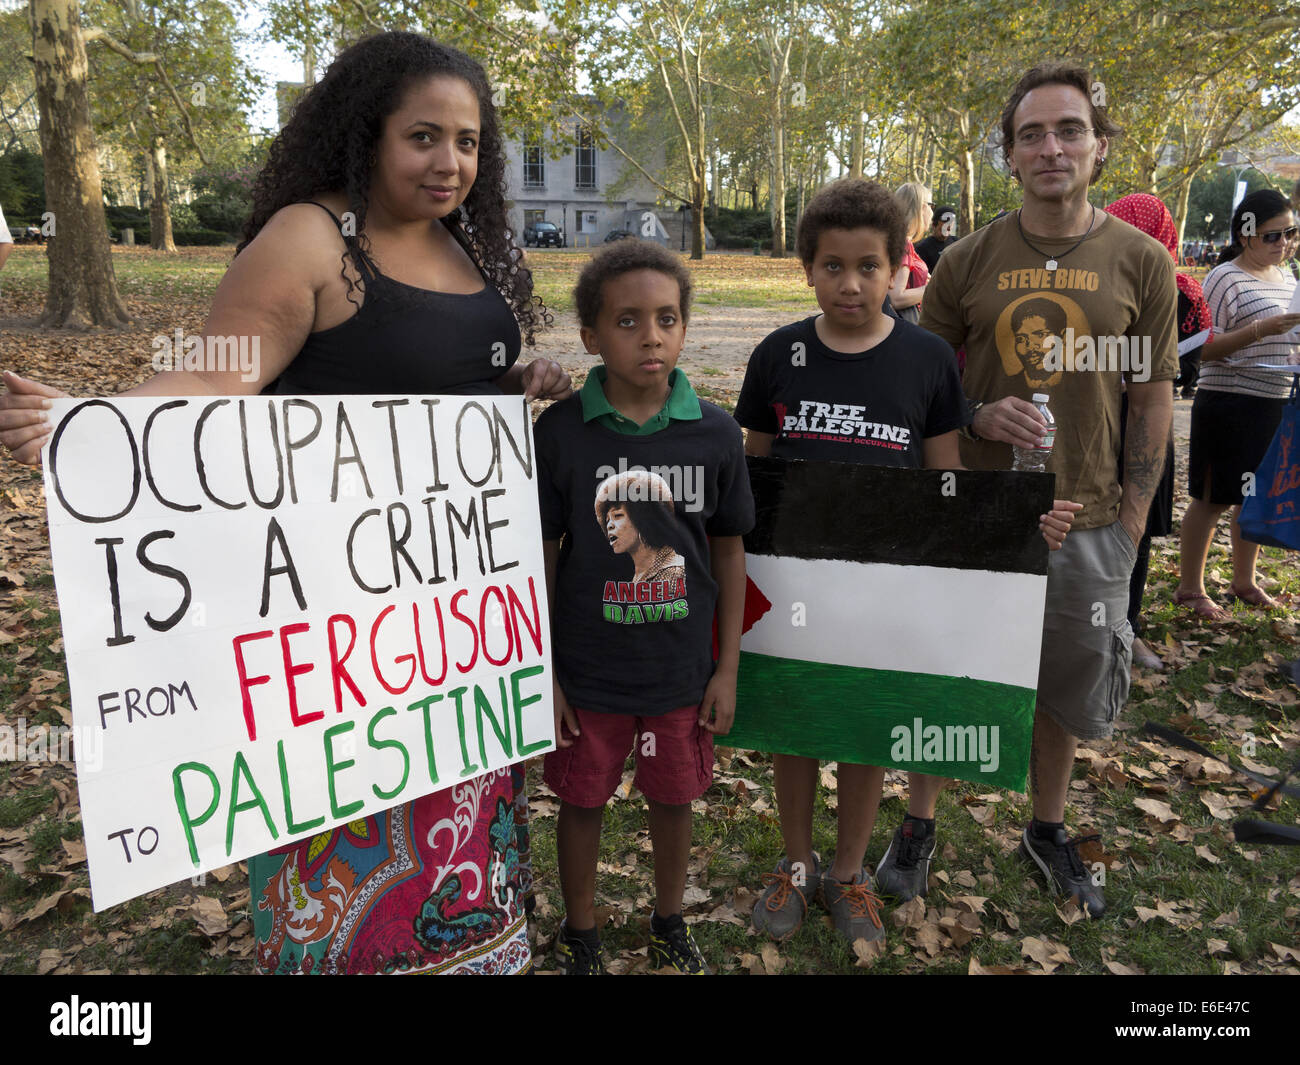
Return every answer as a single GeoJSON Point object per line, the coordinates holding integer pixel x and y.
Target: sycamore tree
{"type": "Point", "coordinates": [82, 287]}
{"type": "Point", "coordinates": [167, 83]}
{"type": "Point", "coordinates": [955, 62]}
{"type": "Point", "coordinates": [677, 45]}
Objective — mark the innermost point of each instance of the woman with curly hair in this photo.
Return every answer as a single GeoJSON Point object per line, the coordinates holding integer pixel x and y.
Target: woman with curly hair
{"type": "Point", "coordinates": [378, 260]}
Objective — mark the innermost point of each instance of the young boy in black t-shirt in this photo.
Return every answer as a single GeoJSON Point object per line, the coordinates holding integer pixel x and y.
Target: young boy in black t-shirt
{"type": "Point", "coordinates": [644, 499]}
{"type": "Point", "coordinates": [849, 385]}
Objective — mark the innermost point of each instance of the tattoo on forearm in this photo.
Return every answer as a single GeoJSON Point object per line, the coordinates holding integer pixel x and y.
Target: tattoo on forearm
{"type": "Point", "coordinates": [1144, 461]}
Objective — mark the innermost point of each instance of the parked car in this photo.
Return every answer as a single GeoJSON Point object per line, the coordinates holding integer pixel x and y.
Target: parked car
{"type": "Point", "coordinates": [617, 234]}
{"type": "Point", "coordinates": [542, 234]}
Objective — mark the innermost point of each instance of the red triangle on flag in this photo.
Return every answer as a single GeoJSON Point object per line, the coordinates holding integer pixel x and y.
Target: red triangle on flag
{"type": "Point", "coordinates": [756, 605]}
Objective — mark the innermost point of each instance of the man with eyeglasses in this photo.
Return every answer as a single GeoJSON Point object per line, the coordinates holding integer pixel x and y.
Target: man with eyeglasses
{"type": "Point", "coordinates": [1104, 279]}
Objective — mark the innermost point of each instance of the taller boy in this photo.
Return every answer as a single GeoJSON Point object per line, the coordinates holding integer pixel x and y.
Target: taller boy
{"type": "Point", "coordinates": [1113, 287]}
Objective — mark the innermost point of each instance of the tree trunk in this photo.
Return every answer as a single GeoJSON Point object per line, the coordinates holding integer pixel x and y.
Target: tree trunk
{"type": "Point", "coordinates": [967, 191]}
{"type": "Point", "coordinates": [160, 212]}
{"type": "Point", "coordinates": [778, 176]}
{"type": "Point", "coordinates": [1180, 207]}
{"type": "Point", "coordinates": [857, 149]}
{"type": "Point", "coordinates": [82, 286]}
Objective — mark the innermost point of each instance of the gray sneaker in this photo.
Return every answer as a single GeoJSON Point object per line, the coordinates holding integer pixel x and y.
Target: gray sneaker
{"type": "Point", "coordinates": [904, 871]}
{"type": "Point", "coordinates": [780, 910]}
{"type": "Point", "coordinates": [854, 907]}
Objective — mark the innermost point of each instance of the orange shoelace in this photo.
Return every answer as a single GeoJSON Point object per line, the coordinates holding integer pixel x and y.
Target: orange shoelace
{"type": "Point", "coordinates": [863, 902]}
{"type": "Point", "coordinates": [784, 885]}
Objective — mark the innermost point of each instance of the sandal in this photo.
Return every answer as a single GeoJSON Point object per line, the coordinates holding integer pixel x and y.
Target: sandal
{"type": "Point", "coordinates": [1202, 605]}
{"type": "Point", "coordinates": [1254, 596]}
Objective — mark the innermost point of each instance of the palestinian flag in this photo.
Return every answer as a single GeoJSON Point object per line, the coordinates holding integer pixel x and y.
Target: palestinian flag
{"type": "Point", "coordinates": [894, 617]}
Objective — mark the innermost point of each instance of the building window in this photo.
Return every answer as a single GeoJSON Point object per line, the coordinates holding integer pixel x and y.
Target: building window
{"type": "Point", "coordinates": [584, 160]}
{"type": "Point", "coordinates": [534, 163]}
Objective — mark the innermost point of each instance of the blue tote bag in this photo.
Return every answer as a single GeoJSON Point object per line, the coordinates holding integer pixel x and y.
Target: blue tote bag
{"type": "Point", "coordinates": [1272, 515]}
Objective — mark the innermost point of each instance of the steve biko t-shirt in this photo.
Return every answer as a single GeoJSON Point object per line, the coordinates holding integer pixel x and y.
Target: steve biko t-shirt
{"type": "Point", "coordinates": [1107, 310]}
{"type": "Point", "coordinates": [873, 407]}
{"type": "Point", "coordinates": [632, 622]}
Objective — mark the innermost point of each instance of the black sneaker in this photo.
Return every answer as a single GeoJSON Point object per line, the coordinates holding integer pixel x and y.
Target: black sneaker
{"type": "Point", "coordinates": [904, 871]}
{"type": "Point", "coordinates": [573, 957]}
{"type": "Point", "coordinates": [676, 950]}
{"type": "Point", "coordinates": [1058, 860]}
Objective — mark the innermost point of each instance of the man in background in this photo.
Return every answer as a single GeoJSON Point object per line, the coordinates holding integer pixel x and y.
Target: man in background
{"type": "Point", "coordinates": [943, 231]}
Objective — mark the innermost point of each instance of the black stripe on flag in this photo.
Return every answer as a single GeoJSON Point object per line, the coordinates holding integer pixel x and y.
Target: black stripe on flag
{"type": "Point", "coordinates": [958, 519]}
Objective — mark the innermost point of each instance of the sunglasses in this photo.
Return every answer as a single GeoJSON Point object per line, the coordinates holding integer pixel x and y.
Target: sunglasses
{"type": "Point", "coordinates": [1280, 234]}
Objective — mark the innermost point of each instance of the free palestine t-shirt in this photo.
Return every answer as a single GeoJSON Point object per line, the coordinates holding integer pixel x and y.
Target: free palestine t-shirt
{"type": "Point", "coordinates": [874, 406]}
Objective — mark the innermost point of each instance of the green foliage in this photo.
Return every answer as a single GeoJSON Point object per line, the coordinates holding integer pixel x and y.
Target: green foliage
{"type": "Point", "coordinates": [225, 198]}
{"type": "Point", "coordinates": [22, 185]}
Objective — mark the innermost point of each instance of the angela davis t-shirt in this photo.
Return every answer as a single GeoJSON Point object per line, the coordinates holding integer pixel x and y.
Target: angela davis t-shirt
{"type": "Point", "coordinates": [873, 407]}
{"type": "Point", "coordinates": [632, 622]}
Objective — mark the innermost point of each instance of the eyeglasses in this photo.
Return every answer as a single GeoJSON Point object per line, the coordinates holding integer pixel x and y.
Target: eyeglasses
{"type": "Point", "coordinates": [1280, 234]}
{"type": "Point", "coordinates": [1065, 135]}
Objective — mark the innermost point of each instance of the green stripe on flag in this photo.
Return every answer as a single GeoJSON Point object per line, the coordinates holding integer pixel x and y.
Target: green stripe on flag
{"type": "Point", "coordinates": [973, 730]}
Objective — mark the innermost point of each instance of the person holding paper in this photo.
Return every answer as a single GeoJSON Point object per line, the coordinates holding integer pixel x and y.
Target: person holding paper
{"type": "Point", "coordinates": [1238, 407]}
{"type": "Point", "coordinates": [378, 260]}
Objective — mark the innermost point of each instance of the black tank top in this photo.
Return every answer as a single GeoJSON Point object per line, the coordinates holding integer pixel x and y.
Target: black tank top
{"type": "Point", "coordinates": [407, 340]}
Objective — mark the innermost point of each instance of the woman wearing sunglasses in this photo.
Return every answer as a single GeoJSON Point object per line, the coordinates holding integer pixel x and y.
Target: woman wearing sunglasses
{"type": "Point", "coordinates": [1238, 407]}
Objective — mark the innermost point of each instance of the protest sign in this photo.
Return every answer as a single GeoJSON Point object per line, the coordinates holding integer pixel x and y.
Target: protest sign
{"type": "Point", "coordinates": [281, 614]}
{"type": "Point", "coordinates": [894, 617]}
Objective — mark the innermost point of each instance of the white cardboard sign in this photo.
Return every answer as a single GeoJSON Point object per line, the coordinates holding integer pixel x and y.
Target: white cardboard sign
{"type": "Point", "coordinates": [281, 614]}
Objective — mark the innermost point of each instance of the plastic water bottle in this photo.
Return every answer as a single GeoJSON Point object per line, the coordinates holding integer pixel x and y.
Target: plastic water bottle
{"type": "Point", "coordinates": [1034, 459]}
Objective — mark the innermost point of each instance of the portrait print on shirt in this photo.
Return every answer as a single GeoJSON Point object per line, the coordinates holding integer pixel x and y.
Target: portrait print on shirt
{"type": "Point", "coordinates": [638, 516]}
{"type": "Point", "coordinates": [1028, 330]}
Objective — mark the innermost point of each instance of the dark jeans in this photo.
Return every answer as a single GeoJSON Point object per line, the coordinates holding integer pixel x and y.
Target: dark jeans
{"type": "Point", "coordinates": [1137, 584]}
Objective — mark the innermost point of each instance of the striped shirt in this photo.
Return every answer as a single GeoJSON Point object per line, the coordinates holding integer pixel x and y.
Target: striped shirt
{"type": "Point", "coordinates": [1237, 299]}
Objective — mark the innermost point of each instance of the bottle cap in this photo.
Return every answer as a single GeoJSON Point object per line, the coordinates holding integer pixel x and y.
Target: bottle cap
{"type": "Point", "coordinates": [1040, 397]}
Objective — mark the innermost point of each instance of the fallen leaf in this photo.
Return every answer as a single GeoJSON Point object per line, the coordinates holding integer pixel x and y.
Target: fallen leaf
{"type": "Point", "coordinates": [910, 914]}
{"type": "Point", "coordinates": [1285, 953]}
{"type": "Point", "coordinates": [976, 969]}
{"type": "Point", "coordinates": [1216, 946]}
{"type": "Point", "coordinates": [772, 960]}
{"type": "Point", "coordinates": [48, 961]}
{"type": "Point", "coordinates": [1218, 806]}
{"type": "Point", "coordinates": [1047, 952]}
{"type": "Point", "coordinates": [1161, 811]}
{"type": "Point", "coordinates": [75, 849]}
{"type": "Point", "coordinates": [209, 915]}
{"type": "Point", "coordinates": [867, 951]}
{"type": "Point", "coordinates": [1207, 854]}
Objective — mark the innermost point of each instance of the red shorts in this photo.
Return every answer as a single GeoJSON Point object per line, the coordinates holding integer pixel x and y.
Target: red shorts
{"type": "Point", "coordinates": [674, 757]}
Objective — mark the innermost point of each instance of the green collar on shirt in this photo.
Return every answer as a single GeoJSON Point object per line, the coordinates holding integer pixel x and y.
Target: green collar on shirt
{"type": "Point", "coordinates": [683, 405]}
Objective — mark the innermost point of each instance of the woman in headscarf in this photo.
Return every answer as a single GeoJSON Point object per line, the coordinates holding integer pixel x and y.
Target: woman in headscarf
{"type": "Point", "coordinates": [1150, 215]}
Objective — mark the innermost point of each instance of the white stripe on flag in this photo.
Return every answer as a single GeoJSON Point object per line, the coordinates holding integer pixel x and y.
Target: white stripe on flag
{"type": "Point", "coordinates": [916, 619]}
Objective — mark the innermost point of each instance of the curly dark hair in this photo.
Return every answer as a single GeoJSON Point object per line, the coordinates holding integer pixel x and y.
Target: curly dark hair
{"type": "Point", "coordinates": [328, 145]}
{"type": "Point", "coordinates": [852, 203]}
{"type": "Point", "coordinates": [1051, 312]}
{"type": "Point", "coordinates": [622, 258]}
{"type": "Point", "coordinates": [1075, 77]}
